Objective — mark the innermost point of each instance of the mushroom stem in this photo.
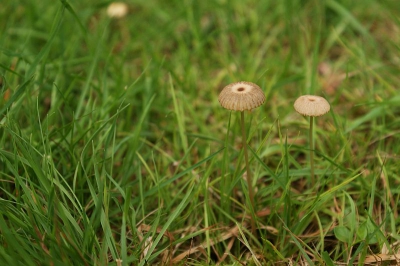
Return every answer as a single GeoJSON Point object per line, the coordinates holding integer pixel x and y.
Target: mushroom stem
{"type": "Point", "coordinates": [312, 106]}
{"type": "Point", "coordinates": [312, 149]}
{"type": "Point", "coordinates": [249, 177]}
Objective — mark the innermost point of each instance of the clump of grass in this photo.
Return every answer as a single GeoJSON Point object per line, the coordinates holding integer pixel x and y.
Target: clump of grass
{"type": "Point", "coordinates": [110, 133]}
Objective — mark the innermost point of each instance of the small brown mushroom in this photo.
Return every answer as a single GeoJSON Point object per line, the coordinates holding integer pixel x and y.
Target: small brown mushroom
{"type": "Point", "coordinates": [117, 10]}
{"type": "Point", "coordinates": [312, 106]}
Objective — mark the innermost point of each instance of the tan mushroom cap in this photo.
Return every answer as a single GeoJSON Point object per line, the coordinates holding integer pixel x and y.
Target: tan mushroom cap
{"type": "Point", "coordinates": [311, 105]}
{"type": "Point", "coordinates": [117, 10]}
{"type": "Point", "coordinates": [240, 96]}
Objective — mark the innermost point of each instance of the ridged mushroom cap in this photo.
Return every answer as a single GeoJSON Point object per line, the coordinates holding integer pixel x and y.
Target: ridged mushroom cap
{"type": "Point", "coordinates": [311, 105]}
{"type": "Point", "coordinates": [240, 96]}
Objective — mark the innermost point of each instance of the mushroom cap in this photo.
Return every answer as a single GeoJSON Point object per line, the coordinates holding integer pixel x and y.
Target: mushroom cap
{"type": "Point", "coordinates": [311, 105]}
{"type": "Point", "coordinates": [117, 10]}
{"type": "Point", "coordinates": [240, 96]}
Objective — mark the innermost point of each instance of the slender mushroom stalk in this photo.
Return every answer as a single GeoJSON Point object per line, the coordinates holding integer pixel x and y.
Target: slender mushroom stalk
{"type": "Point", "coordinates": [312, 106]}
{"type": "Point", "coordinates": [241, 96]}
{"type": "Point", "coordinates": [246, 158]}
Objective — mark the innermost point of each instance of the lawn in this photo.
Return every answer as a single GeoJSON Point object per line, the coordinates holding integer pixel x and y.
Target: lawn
{"type": "Point", "coordinates": [114, 148]}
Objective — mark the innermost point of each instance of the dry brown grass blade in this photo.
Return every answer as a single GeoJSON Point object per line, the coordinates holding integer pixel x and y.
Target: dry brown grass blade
{"type": "Point", "coordinates": [231, 233]}
{"type": "Point", "coordinates": [382, 259]}
{"type": "Point", "coordinates": [148, 242]}
{"type": "Point", "coordinates": [260, 213]}
{"type": "Point", "coordinates": [146, 228]}
{"type": "Point", "coordinates": [118, 262]}
{"type": "Point", "coordinates": [227, 250]}
{"type": "Point", "coordinates": [388, 191]}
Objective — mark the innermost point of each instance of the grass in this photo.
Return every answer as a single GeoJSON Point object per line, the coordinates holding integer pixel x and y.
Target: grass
{"type": "Point", "coordinates": [113, 145]}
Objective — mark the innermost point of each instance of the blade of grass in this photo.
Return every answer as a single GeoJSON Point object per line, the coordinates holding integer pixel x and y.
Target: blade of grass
{"type": "Point", "coordinates": [68, 6]}
{"type": "Point", "coordinates": [16, 95]}
{"type": "Point", "coordinates": [179, 116]}
{"type": "Point", "coordinates": [175, 177]}
{"type": "Point", "coordinates": [170, 220]}
{"type": "Point", "coordinates": [45, 50]}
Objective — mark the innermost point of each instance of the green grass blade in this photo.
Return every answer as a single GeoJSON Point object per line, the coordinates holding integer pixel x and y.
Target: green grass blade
{"type": "Point", "coordinates": [170, 220]}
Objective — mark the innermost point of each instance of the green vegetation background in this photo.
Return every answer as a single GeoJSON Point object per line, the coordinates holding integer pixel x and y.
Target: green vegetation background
{"type": "Point", "coordinates": [113, 145]}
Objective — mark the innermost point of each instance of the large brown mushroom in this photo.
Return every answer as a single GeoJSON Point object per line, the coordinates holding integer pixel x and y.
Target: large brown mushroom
{"type": "Point", "coordinates": [241, 96]}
